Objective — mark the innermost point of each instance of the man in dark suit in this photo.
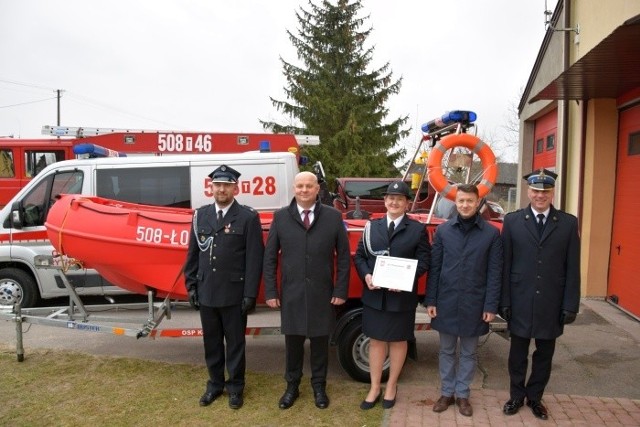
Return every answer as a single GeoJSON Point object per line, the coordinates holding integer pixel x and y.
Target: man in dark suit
{"type": "Point", "coordinates": [222, 275]}
{"type": "Point", "coordinates": [540, 290]}
{"type": "Point", "coordinates": [312, 241]}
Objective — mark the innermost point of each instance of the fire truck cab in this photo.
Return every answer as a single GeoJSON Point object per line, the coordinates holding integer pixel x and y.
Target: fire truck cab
{"type": "Point", "coordinates": [22, 159]}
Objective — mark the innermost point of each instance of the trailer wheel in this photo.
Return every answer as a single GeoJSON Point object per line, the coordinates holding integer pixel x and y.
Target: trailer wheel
{"type": "Point", "coordinates": [353, 353]}
{"type": "Point", "coordinates": [17, 286]}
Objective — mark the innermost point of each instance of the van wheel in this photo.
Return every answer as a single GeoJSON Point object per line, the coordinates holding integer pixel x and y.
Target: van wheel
{"type": "Point", "coordinates": [16, 286]}
{"type": "Point", "coordinates": [353, 353]}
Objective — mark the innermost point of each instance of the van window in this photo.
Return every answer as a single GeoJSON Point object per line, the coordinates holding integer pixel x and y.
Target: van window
{"type": "Point", "coordinates": [157, 186]}
{"type": "Point", "coordinates": [37, 202]}
{"type": "Point", "coordinates": [36, 160]}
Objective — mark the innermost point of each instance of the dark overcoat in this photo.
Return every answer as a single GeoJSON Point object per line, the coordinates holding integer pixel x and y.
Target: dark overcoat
{"type": "Point", "coordinates": [541, 276]}
{"type": "Point", "coordinates": [409, 240]}
{"type": "Point", "coordinates": [314, 267]}
{"type": "Point", "coordinates": [465, 277]}
{"type": "Point", "coordinates": [230, 267]}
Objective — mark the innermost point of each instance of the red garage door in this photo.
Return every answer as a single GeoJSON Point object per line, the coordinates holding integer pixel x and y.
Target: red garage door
{"type": "Point", "coordinates": [624, 260]}
{"type": "Point", "coordinates": [544, 145]}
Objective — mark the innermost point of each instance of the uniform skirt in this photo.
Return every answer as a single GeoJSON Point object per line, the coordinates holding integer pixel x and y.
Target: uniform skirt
{"type": "Point", "coordinates": [388, 325]}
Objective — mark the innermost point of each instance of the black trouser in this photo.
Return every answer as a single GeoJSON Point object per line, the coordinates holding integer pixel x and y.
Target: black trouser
{"type": "Point", "coordinates": [540, 367]}
{"type": "Point", "coordinates": [220, 324]}
{"type": "Point", "coordinates": [295, 359]}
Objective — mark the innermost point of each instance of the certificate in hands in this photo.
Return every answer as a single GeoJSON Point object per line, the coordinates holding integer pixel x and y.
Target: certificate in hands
{"type": "Point", "coordinates": [394, 273]}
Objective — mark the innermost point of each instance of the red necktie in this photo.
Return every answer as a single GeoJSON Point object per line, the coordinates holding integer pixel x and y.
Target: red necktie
{"type": "Point", "coordinates": [305, 218]}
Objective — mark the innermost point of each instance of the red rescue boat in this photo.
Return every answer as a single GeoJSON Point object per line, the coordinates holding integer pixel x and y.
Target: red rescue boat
{"type": "Point", "coordinates": [136, 247]}
{"type": "Point", "coordinates": [141, 247]}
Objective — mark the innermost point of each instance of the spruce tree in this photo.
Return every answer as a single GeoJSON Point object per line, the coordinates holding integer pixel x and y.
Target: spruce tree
{"type": "Point", "coordinates": [334, 95]}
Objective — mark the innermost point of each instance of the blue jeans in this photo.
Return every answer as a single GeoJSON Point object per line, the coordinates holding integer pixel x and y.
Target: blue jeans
{"type": "Point", "coordinates": [456, 375]}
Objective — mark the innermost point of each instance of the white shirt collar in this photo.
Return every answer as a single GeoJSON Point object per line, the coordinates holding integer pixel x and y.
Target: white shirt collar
{"type": "Point", "coordinates": [545, 213]}
{"type": "Point", "coordinates": [225, 209]}
{"type": "Point", "coordinates": [396, 221]}
{"type": "Point", "coordinates": [301, 209]}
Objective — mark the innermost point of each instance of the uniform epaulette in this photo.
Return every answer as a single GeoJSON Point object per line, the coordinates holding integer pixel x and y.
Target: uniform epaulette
{"type": "Point", "coordinates": [247, 207]}
{"type": "Point", "coordinates": [202, 208]}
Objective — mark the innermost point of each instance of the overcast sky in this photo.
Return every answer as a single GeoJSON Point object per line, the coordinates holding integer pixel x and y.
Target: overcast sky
{"type": "Point", "coordinates": [206, 65]}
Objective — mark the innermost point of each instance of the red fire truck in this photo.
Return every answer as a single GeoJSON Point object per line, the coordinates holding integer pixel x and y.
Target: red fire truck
{"type": "Point", "coordinates": [22, 159]}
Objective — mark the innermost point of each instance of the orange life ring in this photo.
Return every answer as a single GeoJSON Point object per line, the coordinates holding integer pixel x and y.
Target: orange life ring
{"type": "Point", "coordinates": [479, 148]}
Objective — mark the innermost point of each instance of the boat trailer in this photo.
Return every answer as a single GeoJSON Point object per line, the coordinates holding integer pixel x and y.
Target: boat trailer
{"type": "Point", "coordinates": [77, 316]}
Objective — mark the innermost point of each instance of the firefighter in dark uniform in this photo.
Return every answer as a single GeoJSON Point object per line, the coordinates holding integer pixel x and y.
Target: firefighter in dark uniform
{"type": "Point", "coordinates": [540, 290]}
{"type": "Point", "coordinates": [222, 275]}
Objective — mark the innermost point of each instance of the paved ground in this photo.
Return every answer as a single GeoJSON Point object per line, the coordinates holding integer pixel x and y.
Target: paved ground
{"type": "Point", "coordinates": [595, 379]}
{"type": "Point", "coordinates": [566, 410]}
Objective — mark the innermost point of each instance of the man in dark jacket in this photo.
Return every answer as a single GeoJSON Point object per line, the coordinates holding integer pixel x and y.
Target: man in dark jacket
{"type": "Point", "coordinates": [541, 288]}
{"type": "Point", "coordinates": [463, 292]}
{"type": "Point", "coordinates": [222, 275]}
{"type": "Point", "coordinates": [312, 242]}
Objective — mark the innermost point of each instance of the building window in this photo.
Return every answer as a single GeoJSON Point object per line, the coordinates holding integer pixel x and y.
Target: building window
{"type": "Point", "coordinates": [551, 142]}
{"type": "Point", "coordinates": [634, 144]}
{"type": "Point", "coordinates": [539, 146]}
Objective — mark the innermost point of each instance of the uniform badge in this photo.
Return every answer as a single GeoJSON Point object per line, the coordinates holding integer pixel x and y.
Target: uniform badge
{"type": "Point", "coordinates": [227, 228]}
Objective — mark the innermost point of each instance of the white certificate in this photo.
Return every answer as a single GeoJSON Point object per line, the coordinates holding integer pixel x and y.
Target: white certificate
{"type": "Point", "coordinates": [395, 273]}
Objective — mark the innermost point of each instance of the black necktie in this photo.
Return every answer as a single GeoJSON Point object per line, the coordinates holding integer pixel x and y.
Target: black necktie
{"type": "Point", "coordinates": [540, 224]}
{"type": "Point", "coordinates": [392, 226]}
{"type": "Point", "coordinates": [220, 217]}
{"type": "Point", "coordinates": [305, 218]}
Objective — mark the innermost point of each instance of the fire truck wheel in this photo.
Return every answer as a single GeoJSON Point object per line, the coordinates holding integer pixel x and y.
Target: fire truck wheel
{"type": "Point", "coordinates": [17, 286]}
{"type": "Point", "coordinates": [353, 353]}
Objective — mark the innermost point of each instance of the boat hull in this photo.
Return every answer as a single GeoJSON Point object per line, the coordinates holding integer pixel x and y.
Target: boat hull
{"type": "Point", "coordinates": [141, 248]}
{"type": "Point", "coordinates": [136, 247]}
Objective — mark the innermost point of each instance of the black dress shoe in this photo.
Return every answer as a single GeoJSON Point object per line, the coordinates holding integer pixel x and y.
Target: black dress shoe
{"type": "Point", "coordinates": [390, 403]}
{"type": "Point", "coordinates": [209, 397]}
{"type": "Point", "coordinates": [538, 409]}
{"type": "Point", "coordinates": [235, 400]}
{"type": "Point", "coordinates": [321, 398]}
{"type": "Point", "coordinates": [512, 406]}
{"type": "Point", "coordinates": [288, 398]}
{"type": "Point", "coordinates": [368, 405]}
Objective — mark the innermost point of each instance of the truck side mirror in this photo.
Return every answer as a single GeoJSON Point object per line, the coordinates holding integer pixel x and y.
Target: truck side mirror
{"type": "Point", "coordinates": [16, 216]}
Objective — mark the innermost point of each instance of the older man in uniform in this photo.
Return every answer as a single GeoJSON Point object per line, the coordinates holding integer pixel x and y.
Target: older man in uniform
{"type": "Point", "coordinates": [222, 275]}
{"type": "Point", "coordinates": [540, 288]}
